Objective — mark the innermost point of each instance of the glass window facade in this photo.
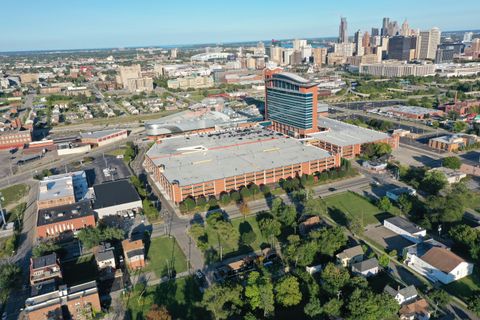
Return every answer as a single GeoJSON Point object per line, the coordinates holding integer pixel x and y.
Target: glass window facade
{"type": "Point", "coordinates": [288, 106]}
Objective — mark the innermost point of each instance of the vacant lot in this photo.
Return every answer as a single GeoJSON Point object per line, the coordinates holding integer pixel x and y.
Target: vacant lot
{"type": "Point", "coordinates": [14, 193]}
{"type": "Point", "coordinates": [233, 248]}
{"type": "Point", "coordinates": [348, 205]}
{"type": "Point", "coordinates": [181, 297]}
{"type": "Point", "coordinates": [163, 253]}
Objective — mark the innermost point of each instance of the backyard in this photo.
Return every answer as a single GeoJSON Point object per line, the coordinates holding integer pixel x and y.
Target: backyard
{"type": "Point", "coordinates": [465, 287]}
{"type": "Point", "coordinates": [165, 251]}
{"type": "Point", "coordinates": [349, 205]}
{"type": "Point", "coordinates": [81, 270]}
{"type": "Point", "coordinates": [180, 297]}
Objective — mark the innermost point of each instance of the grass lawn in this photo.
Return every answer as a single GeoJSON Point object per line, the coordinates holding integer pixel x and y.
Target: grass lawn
{"type": "Point", "coordinates": [82, 270]}
{"type": "Point", "coordinates": [14, 193]}
{"type": "Point", "coordinates": [165, 249]}
{"type": "Point", "coordinates": [236, 248]}
{"type": "Point", "coordinates": [350, 204]}
{"type": "Point", "coordinates": [465, 287]}
{"type": "Point", "coordinates": [117, 152]}
{"type": "Point", "coordinates": [180, 297]}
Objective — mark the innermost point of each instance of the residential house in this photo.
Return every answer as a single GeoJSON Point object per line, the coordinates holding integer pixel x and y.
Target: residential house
{"type": "Point", "coordinates": [350, 256]}
{"type": "Point", "coordinates": [309, 224]}
{"type": "Point", "coordinates": [44, 268]}
{"type": "Point", "coordinates": [406, 229]}
{"type": "Point", "coordinates": [418, 310]}
{"type": "Point", "coordinates": [452, 176]}
{"type": "Point", "coordinates": [105, 257]}
{"type": "Point", "coordinates": [134, 252]}
{"type": "Point", "coordinates": [406, 294]}
{"type": "Point", "coordinates": [396, 193]}
{"type": "Point", "coordinates": [366, 268]}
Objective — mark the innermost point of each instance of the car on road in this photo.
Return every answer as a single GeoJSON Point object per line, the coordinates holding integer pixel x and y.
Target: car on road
{"type": "Point", "coordinates": [331, 189]}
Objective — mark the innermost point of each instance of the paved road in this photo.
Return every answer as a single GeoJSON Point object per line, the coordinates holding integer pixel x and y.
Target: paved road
{"type": "Point", "coordinates": [17, 297]}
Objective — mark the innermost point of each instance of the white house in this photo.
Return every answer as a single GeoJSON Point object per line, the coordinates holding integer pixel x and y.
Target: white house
{"type": "Point", "coordinates": [403, 295]}
{"type": "Point", "coordinates": [366, 268]}
{"type": "Point", "coordinates": [105, 257]}
{"type": "Point", "coordinates": [406, 229]}
{"type": "Point", "coordinates": [437, 263]}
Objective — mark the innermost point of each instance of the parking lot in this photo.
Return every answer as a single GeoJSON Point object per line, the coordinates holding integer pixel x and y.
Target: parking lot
{"type": "Point", "coordinates": [117, 169]}
{"type": "Point", "coordinates": [387, 238]}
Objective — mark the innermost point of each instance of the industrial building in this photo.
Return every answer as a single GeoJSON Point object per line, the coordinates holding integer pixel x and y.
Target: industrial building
{"type": "Point", "coordinates": [104, 137]}
{"type": "Point", "coordinates": [346, 139]}
{"type": "Point", "coordinates": [116, 198]}
{"type": "Point", "coordinates": [210, 164]}
{"type": "Point", "coordinates": [62, 189]}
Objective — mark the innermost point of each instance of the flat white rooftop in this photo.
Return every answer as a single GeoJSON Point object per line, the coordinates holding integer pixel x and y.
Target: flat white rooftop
{"type": "Point", "coordinates": [344, 134]}
{"type": "Point", "coordinates": [201, 158]}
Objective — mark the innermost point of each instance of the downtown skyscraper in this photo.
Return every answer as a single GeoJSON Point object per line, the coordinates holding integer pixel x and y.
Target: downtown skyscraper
{"type": "Point", "coordinates": [343, 31]}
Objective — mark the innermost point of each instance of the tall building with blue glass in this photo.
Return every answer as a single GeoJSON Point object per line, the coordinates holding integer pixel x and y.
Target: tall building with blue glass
{"type": "Point", "coordinates": [290, 103]}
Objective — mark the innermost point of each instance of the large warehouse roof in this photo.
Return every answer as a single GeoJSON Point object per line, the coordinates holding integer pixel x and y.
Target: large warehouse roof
{"type": "Point", "coordinates": [201, 158]}
{"type": "Point", "coordinates": [343, 134]}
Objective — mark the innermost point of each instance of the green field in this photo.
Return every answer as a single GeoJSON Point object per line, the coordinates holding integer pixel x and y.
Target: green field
{"type": "Point", "coordinates": [465, 287]}
{"type": "Point", "coordinates": [181, 297]}
{"type": "Point", "coordinates": [163, 250]}
{"type": "Point", "coordinates": [233, 248]}
{"type": "Point", "coordinates": [350, 204]}
{"type": "Point", "coordinates": [14, 193]}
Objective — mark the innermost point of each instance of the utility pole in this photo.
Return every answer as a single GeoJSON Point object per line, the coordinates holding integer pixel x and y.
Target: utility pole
{"type": "Point", "coordinates": [1, 209]}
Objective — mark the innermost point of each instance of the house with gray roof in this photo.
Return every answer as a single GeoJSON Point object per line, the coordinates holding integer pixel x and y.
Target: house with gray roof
{"type": "Point", "coordinates": [366, 268]}
{"type": "Point", "coordinates": [403, 295]}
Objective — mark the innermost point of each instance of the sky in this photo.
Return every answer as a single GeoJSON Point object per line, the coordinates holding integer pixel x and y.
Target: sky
{"type": "Point", "coordinates": [71, 24]}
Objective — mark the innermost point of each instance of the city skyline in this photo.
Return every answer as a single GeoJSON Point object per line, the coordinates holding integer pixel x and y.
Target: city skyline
{"type": "Point", "coordinates": [58, 26]}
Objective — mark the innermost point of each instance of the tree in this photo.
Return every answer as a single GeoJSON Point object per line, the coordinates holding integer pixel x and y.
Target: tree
{"type": "Point", "coordinates": [270, 227]}
{"type": "Point", "coordinates": [473, 303]}
{"type": "Point", "coordinates": [90, 237]}
{"type": "Point", "coordinates": [459, 126]}
{"type": "Point", "coordinates": [289, 215]}
{"type": "Point", "coordinates": [313, 308]}
{"type": "Point", "coordinates": [384, 204]}
{"type": "Point", "coordinates": [189, 204]}
{"type": "Point", "coordinates": [44, 248]}
{"type": "Point", "coordinates": [288, 292]}
{"type": "Point", "coordinates": [329, 240]}
{"type": "Point", "coordinates": [333, 308]}
{"type": "Point", "coordinates": [245, 193]}
{"type": "Point", "coordinates": [235, 196]}
{"type": "Point", "coordinates": [384, 260]}
{"type": "Point", "coordinates": [452, 162]}
{"type": "Point", "coordinates": [244, 209]}
{"type": "Point", "coordinates": [376, 150]}
{"type": "Point", "coordinates": [365, 305]}
{"type": "Point", "coordinates": [223, 301]}
{"type": "Point", "coordinates": [405, 203]}
{"type": "Point", "coordinates": [254, 190]}
{"type": "Point", "coordinates": [111, 233]}
{"type": "Point", "coordinates": [334, 278]}
{"type": "Point", "coordinates": [9, 277]}
{"type": "Point", "coordinates": [314, 206]}
{"type": "Point", "coordinates": [277, 206]}
{"type": "Point", "coordinates": [259, 293]}
{"type": "Point", "coordinates": [433, 182]}
{"type": "Point", "coordinates": [224, 199]}
{"type": "Point", "coordinates": [439, 298]}
{"type": "Point", "coordinates": [467, 238]}
{"type": "Point", "coordinates": [158, 313]}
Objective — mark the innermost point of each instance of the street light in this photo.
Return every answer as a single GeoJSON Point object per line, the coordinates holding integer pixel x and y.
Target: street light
{"type": "Point", "coordinates": [1, 209]}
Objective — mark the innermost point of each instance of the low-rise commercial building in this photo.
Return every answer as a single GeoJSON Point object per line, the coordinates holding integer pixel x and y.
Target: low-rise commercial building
{"type": "Point", "coordinates": [116, 198]}
{"type": "Point", "coordinates": [62, 189]}
{"type": "Point", "coordinates": [345, 139]}
{"type": "Point", "coordinates": [78, 302]}
{"type": "Point", "coordinates": [11, 139]}
{"type": "Point", "coordinates": [406, 229]}
{"type": "Point", "coordinates": [452, 176]}
{"type": "Point", "coordinates": [396, 193]}
{"type": "Point", "coordinates": [104, 137]}
{"type": "Point", "coordinates": [52, 222]}
{"type": "Point", "coordinates": [450, 143]}
{"type": "Point", "coordinates": [410, 112]}
{"type": "Point", "coordinates": [211, 164]}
